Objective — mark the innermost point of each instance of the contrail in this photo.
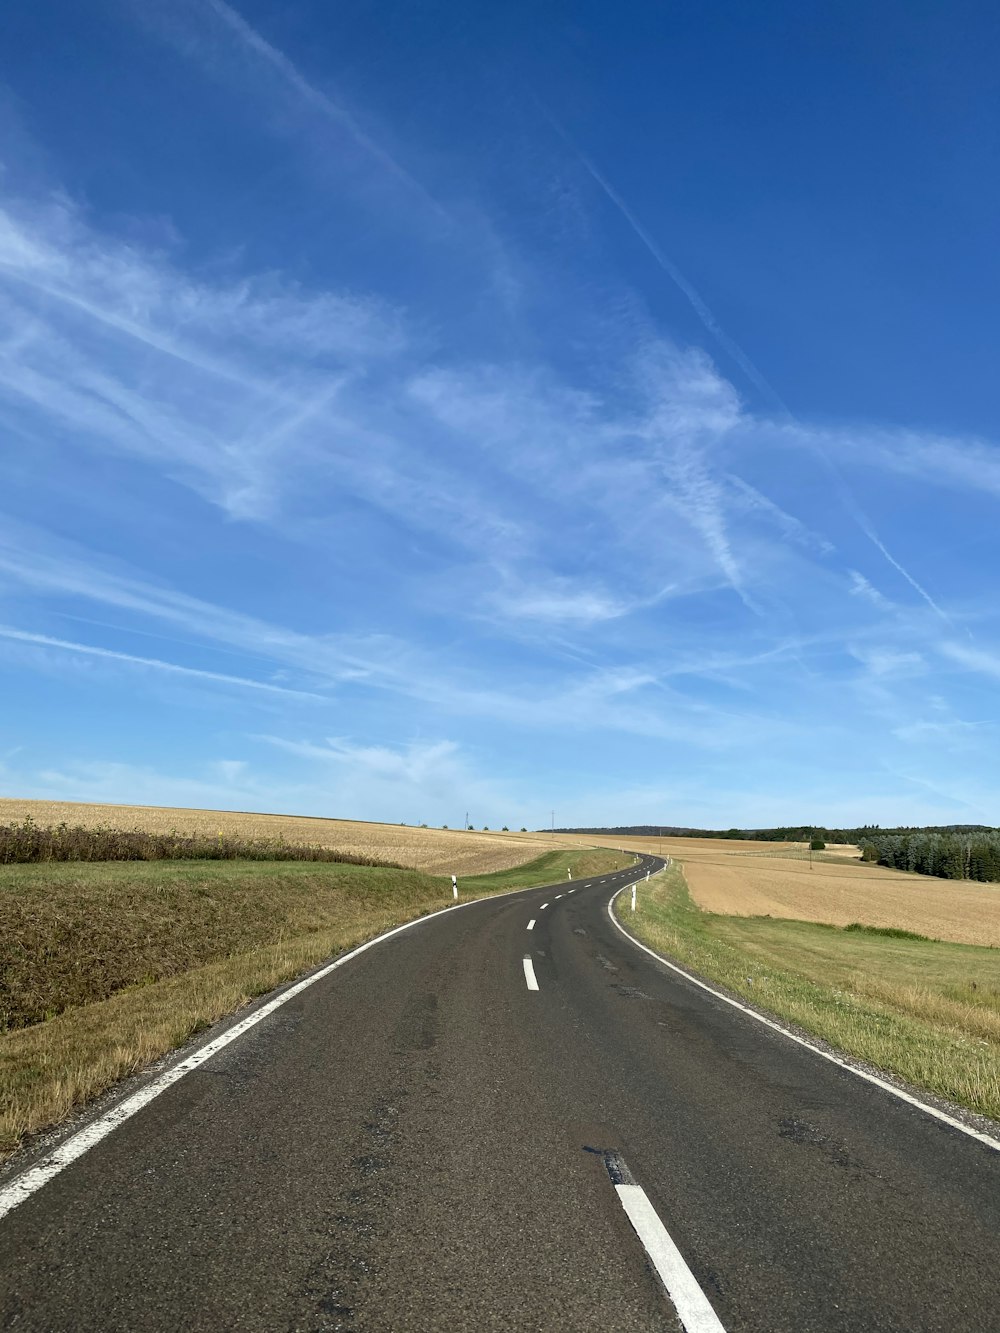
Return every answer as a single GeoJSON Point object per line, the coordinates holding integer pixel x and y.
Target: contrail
{"type": "Point", "coordinates": [740, 357]}
{"type": "Point", "coordinates": [46, 641]}
{"type": "Point", "coordinates": [732, 348]}
{"type": "Point", "coordinates": [862, 520]}
{"type": "Point", "coordinates": [277, 59]}
{"type": "Point", "coordinates": [751, 371]}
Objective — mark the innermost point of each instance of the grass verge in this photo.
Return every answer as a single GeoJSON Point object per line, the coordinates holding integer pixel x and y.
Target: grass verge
{"type": "Point", "coordinates": [550, 868]}
{"type": "Point", "coordinates": [106, 967]}
{"type": "Point", "coordinates": [925, 1010]}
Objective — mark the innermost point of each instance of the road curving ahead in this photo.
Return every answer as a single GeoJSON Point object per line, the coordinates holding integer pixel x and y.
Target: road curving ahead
{"type": "Point", "coordinates": [421, 1138]}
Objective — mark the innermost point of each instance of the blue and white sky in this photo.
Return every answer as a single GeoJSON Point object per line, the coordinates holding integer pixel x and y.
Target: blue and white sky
{"type": "Point", "coordinates": [408, 409]}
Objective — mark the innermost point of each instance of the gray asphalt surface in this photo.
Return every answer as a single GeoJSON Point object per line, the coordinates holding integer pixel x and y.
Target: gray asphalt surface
{"type": "Point", "coordinates": [416, 1143]}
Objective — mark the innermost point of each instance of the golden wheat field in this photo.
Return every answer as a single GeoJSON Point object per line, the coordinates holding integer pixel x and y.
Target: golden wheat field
{"type": "Point", "coordinates": [436, 851]}
{"type": "Point", "coordinates": [774, 879]}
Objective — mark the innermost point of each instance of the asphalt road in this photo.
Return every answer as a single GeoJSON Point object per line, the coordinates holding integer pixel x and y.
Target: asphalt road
{"type": "Point", "coordinates": [419, 1141]}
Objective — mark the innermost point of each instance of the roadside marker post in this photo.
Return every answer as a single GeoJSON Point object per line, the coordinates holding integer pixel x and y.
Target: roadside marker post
{"type": "Point", "coordinates": [647, 874]}
{"type": "Point", "coordinates": [454, 885]}
{"type": "Point", "coordinates": [569, 873]}
{"type": "Point", "coordinates": [633, 895]}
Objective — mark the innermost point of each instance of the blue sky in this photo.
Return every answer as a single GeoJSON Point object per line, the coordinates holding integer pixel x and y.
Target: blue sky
{"type": "Point", "coordinates": [412, 409]}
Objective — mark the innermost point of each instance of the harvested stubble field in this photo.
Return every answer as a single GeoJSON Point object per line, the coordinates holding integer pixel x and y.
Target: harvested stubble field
{"type": "Point", "coordinates": [761, 879]}
{"type": "Point", "coordinates": [434, 851]}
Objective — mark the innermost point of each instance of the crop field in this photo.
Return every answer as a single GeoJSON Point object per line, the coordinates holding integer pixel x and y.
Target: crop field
{"type": "Point", "coordinates": [838, 891]}
{"type": "Point", "coordinates": [434, 851]}
{"type": "Point", "coordinates": [747, 878]}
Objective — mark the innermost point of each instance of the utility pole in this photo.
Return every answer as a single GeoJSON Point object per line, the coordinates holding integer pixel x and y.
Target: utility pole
{"type": "Point", "coordinates": [553, 814]}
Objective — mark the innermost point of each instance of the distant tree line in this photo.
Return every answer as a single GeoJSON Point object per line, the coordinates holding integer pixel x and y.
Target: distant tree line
{"type": "Point", "coordinates": [949, 851]}
{"type": "Point", "coordinates": [951, 854]}
{"type": "Point", "coordinates": [787, 833]}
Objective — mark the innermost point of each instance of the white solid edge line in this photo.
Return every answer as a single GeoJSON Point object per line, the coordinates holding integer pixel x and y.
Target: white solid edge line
{"type": "Point", "coordinates": [690, 1302]}
{"type": "Point", "coordinates": [877, 1082]}
{"type": "Point", "coordinates": [529, 974]}
{"type": "Point", "coordinates": [31, 1180]}
{"type": "Point", "coordinates": [531, 924]}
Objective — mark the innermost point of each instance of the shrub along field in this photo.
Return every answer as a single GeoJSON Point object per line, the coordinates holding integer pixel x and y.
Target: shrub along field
{"type": "Point", "coordinates": [926, 1010]}
{"type": "Point", "coordinates": [105, 967]}
{"type": "Point", "coordinates": [29, 843]}
{"type": "Point", "coordinates": [437, 851]}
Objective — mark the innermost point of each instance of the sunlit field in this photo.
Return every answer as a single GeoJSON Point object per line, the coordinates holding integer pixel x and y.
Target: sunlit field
{"type": "Point", "coordinates": [436, 851]}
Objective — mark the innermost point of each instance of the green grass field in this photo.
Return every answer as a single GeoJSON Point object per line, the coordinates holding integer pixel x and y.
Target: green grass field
{"type": "Point", "coordinates": [105, 967]}
{"type": "Point", "coordinates": [925, 1010]}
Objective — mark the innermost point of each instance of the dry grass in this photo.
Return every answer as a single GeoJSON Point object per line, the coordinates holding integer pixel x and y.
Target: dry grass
{"type": "Point", "coordinates": [48, 1070]}
{"type": "Point", "coordinates": [735, 878]}
{"type": "Point", "coordinates": [72, 933]}
{"type": "Point", "coordinates": [436, 851]}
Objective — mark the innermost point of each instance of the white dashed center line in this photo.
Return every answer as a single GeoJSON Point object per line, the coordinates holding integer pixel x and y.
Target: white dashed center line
{"type": "Point", "coordinates": [529, 974]}
{"type": "Point", "coordinates": [690, 1302]}
{"type": "Point", "coordinates": [543, 907]}
{"type": "Point", "coordinates": [531, 924]}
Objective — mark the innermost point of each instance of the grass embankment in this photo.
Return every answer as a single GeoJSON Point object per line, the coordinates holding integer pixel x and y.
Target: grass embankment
{"type": "Point", "coordinates": [103, 968]}
{"type": "Point", "coordinates": [925, 1010]}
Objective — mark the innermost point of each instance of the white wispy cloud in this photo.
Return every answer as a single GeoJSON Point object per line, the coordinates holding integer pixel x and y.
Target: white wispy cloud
{"type": "Point", "coordinates": [417, 763]}
{"type": "Point", "coordinates": [605, 697]}
{"type": "Point", "coordinates": [792, 528]}
{"type": "Point", "coordinates": [559, 601]}
{"type": "Point", "coordinates": [59, 569]}
{"type": "Point", "coordinates": [972, 659]}
{"type": "Point", "coordinates": [955, 733]}
{"type": "Point", "coordinates": [862, 587]}
{"type": "Point", "coordinates": [217, 384]}
{"type": "Point", "coordinates": [883, 662]}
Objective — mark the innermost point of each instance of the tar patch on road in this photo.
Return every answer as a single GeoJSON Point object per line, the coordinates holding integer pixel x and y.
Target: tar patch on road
{"type": "Point", "coordinates": [613, 1164]}
{"type": "Point", "coordinates": [801, 1132]}
{"type": "Point", "coordinates": [629, 992]}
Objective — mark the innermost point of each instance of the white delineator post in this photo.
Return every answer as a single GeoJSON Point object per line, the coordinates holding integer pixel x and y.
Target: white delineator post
{"type": "Point", "coordinates": [647, 874]}
{"type": "Point", "coordinates": [454, 885]}
{"type": "Point", "coordinates": [633, 897]}
{"type": "Point", "coordinates": [569, 873]}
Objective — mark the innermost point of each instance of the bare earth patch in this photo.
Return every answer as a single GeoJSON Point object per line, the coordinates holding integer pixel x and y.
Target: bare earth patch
{"type": "Point", "coordinates": [436, 851]}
